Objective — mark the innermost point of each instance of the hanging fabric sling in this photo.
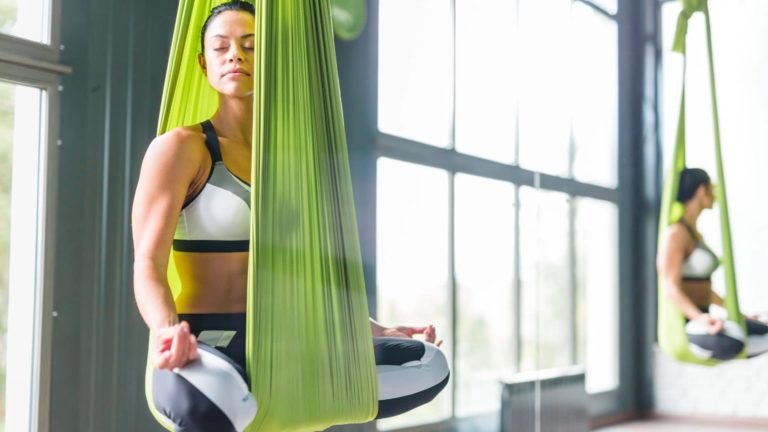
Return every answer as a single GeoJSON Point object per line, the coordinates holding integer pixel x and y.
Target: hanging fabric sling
{"type": "Point", "coordinates": [671, 322]}
{"type": "Point", "coordinates": [309, 348]}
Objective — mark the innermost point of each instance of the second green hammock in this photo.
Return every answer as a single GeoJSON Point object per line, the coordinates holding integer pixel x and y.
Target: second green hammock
{"type": "Point", "coordinates": [671, 322]}
{"type": "Point", "coordinates": [309, 347]}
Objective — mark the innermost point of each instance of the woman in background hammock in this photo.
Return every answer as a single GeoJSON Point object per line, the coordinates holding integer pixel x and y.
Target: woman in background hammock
{"type": "Point", "coordinates": [191, 197]}
{"type": "Point", "coordinates": [686, 265]}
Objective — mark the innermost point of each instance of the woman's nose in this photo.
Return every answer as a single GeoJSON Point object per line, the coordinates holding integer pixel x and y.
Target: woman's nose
{"type": "Point", "coordinates": [236, 55]}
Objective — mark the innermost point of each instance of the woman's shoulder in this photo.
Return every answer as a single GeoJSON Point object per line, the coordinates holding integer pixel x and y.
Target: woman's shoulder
{"type": "Point", "coordinates": [179, 148]}
{"type": "Point", "coordinates": [675, 227]}
{"type": "Point", "coordinates": [678, 233]}
{"type": "Point", "coordinates": [181, 136]}
{"type": "Point", "coordinates": [183, 141]}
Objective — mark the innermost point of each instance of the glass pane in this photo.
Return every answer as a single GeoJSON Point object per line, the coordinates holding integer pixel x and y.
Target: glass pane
{"type": "Point", "coordinates": [28, 19]}
{"type": "Point", "coordinates": [547, 330]}
{"type": "Point", "coordinates": [20, 139]}
{"type": "Point", "coordinates": [484, 259]}
{"type": "Point", "coordinates": [416, 70]}
{"type": "Point", "coordinates": [545, 122]}
{"type": "Point", "coordinates": [486, 74]}
{"type": "Point", "coordinates": [597, 286]}
{"type": "Point", "coordinates": [595, 63]}
{"type": "Point", "coordinates": [412, 263]}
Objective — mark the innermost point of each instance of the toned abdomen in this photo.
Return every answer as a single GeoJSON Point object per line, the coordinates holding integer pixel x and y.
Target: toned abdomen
{"type": "Point", "coordinates": [699, 291]}
{"type": "Point", "coordinates": [212, 282]}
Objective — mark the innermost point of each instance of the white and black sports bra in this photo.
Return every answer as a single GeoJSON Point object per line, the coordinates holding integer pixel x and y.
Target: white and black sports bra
{"type": "Point", "coordinates": [217, 218]}
{"type": "Point", "coordinates": [702, 262]}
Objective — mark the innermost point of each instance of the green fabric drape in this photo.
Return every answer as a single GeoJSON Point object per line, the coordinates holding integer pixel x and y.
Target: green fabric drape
{"type": "Point", "coordinates": [671, 322]}
{"type": "Point", "coordinates": [348, 18]}
{"type": "Point", "coordinates": [309, 350]}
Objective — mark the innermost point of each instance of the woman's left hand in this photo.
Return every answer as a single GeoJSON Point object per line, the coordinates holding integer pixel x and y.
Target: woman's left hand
{"type": "Point", "coordinates": [430, 335]}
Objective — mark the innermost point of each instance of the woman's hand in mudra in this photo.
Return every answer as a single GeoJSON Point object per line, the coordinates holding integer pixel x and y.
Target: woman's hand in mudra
{"type": "Point", "coordinates": [712, 325]}
{"type": "Point", "coordinates": [430, 335]}
{"type": "Point", "coordinates": [175, 346]}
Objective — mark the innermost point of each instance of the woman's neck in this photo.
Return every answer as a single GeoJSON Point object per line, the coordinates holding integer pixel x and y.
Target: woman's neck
{"type": "Point", "coordinates": [691, 215]}
{"type": "Point", "coordinates": [234, 119]}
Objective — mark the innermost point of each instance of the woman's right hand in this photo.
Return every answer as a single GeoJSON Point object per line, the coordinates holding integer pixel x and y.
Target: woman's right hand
{"type": "Point", "coordinates": [175, 346]}
{"type": "Point", "coordinates": [712, 325]}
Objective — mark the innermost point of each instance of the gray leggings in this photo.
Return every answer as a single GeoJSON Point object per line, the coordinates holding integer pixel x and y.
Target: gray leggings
{"type": "Point", "coordinates": [410, 374]}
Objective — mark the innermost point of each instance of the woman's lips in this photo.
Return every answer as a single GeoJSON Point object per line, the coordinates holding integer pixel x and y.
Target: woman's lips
{"type": "Point", "coordinates": [237, 73]}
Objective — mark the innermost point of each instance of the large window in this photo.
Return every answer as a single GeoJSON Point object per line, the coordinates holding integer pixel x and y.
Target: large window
{"type": "Point", "coordinates": [28, 97]}
{"type": "Point", "coordinates": [497, 189]}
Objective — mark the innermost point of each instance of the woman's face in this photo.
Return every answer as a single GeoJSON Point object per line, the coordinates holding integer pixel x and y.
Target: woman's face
{"type": "Point", "coordinates": [707, 193]}
{"type": "Point", "coordinates": [228, 57]}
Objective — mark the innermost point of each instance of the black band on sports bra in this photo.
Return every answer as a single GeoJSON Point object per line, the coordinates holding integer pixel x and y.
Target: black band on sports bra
{"type": "Point", "coordinates": [180, 245]}
{"type": "Point", "coordinates": [211, 141]}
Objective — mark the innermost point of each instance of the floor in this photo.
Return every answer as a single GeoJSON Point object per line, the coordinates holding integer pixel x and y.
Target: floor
{"type": "Point", "coordinates": [679, 426]}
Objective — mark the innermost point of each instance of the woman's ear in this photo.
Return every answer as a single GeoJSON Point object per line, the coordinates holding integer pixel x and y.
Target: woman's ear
{"type": "Point", "coordinates": [201, 61]}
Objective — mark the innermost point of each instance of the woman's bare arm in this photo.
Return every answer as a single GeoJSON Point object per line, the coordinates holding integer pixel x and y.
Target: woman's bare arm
{"type": "Point", "coordinates": [669, 264]}
{"type": "Point", "coordinates": [170, 167]}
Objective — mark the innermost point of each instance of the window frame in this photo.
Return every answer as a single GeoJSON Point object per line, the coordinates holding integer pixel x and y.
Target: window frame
{"type": "Point", "coordinates": [41, 51]}
{"type": "Point", "coordinates": [34, 64]}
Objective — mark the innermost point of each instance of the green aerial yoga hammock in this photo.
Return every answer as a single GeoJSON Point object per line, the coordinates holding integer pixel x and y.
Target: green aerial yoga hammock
{"type": "Point", "coordinates": [309, 347]}
{"type": "Point", "coordinates": [671, 326]}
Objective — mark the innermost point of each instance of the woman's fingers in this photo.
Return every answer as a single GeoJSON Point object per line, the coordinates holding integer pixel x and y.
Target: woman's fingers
{"type": "Point", "coordinates": [176, 346]}
{"type": "Point", "coordinates": [163, 338]}
{"type": "Point", "coordinates": [161, 359]}
{"type": "Point", "coordinates": [715, 326]}
{"type": "Point", "coordinates": [180, 347]}
{"type": "Point", "coordinates": [185, 343]}
{"type": "Point", "coordinates": [720, 325]}
{"type": "Point", "coordinates": [416, 330]}
{"type": "Point", "coordinates": [430, 334]}
{"type": "Point", "coordinates": [175, 349]}
{"type": "Point", "coordinates": [192, 347]}
{"type": "Point", "coordinates": [180, 350]}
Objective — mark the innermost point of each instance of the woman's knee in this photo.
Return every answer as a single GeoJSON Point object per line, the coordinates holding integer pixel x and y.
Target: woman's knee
{"type": "Point", "coordinates": [411, 373]}
{"type": "Point", "coordinates": [726, 345]}
{"type": "Point", "coordinates": [207, 394]}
